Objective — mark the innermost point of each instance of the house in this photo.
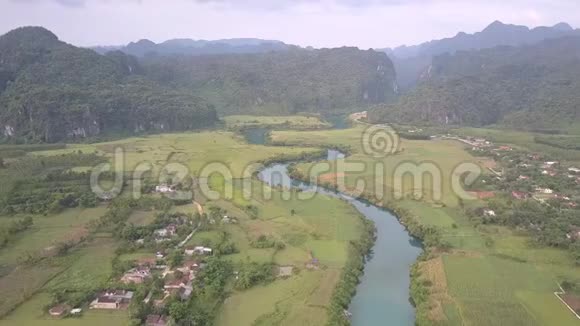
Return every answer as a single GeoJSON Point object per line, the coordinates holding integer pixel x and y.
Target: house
{"type": "Point", "coordinates": [59, 310]}
{"type": "Point", "coordinates": [505, 148]}
{"type": "Point", "coordinates": [488, 212]}
{"type": "Point", "coordinates": [157, 320]}
{"type": "Point", "coordinates": [164, 189]}
{"type": "Point", "coordinates": [519, 195]}
{"type": "Point", "coordinates": [200, 250]}
{"type": "Point", "coordinates": [574, 170]}
{"type": "Point", "coordinates": [285, 271]}
{"type": "Point", "coordinates": [544, 190]}
{"type": "Point", "coordinates": [116, 299]}
{"type": "Point", "coordinates": [189, 268]}
{"type": "Point", "coordinates": [136, 275]}
{"type": "Point", "coordinates": [169, 231]}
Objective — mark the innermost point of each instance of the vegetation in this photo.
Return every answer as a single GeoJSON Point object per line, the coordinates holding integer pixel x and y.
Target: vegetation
{"type": "Point", "coordinates": [69, 92]}
{"type": "Point", "coordinates": [281, 83]}
{"type": "Point", "coordinates": [564, 142]}
{"type": "Point", "coordinates": [532, 87]}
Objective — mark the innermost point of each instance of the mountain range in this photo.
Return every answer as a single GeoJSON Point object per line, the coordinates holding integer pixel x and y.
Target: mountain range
{"type": "Point", "coordinates": [53, 91]}
{"type": "Point", "coordinates": [411, 61]}
{"type": "Point", "coordinates": [533, 86]}
{"type": "Point", "coordinates": [50, 91]}
{"type": "Point", "coordinates": [144, 47]}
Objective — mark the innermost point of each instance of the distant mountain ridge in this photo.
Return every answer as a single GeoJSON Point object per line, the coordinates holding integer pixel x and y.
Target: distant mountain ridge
{"type": "Point", "coordinates": [146, 47]}
{"type": "Point", "coordinates": [534, 86]}
{"type": "Point", "coordinates": [411, 61]}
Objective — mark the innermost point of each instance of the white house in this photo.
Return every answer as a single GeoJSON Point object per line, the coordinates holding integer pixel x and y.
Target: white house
{"type": "Point", "coordinates": [544, 190]}
{"type": "Point", "coordinates": [164, 189]}
{"type": "Point", "coordinates": [200, 250]}
{"type": "Point", "coordinates": [488, 212]}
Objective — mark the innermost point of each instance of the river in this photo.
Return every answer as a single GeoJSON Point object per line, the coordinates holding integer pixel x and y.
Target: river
{"type": "Point", "coordinates": [382, 297]}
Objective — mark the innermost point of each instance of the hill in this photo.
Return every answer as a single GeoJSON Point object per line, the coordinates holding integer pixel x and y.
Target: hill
{"type": "Point", "coordinates": [50, 91]}
{"type": "Point", "coordinates": [530, 87]}
{"type": "Point", "coordinates": [411, 61]}
{"type": "Point", "coordinates": [143, 48]}
{"type": "Point", "coordinates": [286, 82]}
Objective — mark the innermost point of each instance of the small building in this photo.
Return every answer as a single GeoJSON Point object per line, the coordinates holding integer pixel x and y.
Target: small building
{"type": "Point", "coordinates": [167, 232]}
{"type": "Point", "coordinates": [544, 190]}
{"type": "Point", "coordinates": [157, 320]}
{"type": "Point", "coordinates": [200, 250]}
{"type": "Point", "coordinates": [285, 271]}
{"type": "Point", "coordinates": [116, 299]}
{"type": "Point", "coordinates": [164, 189]}
{"type": "Point", "coordinates": [523, 177]}
{"type": "Point", "coordinates": [177, 283]}
{"type": "Point", "coordinates": [488, 212]}
{"type": "Point", "coordinates": [136, 275]}
{"type": "Point", "coordinates": [574, 170]}
{"type": "Point", "coordinates": [59, 310]}
{"type": "Point", "coordinates": [76, 311]}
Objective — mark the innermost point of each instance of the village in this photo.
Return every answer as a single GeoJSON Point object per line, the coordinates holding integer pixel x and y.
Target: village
{"type": "Point", "coordinates": [518, 176]}
{"type": "Point", "coordinates": [170, 263]}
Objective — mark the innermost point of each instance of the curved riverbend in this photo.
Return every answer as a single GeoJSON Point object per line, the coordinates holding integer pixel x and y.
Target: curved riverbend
{"type": "Point", "coordinates": [382, 297]}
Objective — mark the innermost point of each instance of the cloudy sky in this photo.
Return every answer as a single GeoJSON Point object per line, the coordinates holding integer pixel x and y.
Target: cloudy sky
{"type": "Point", "coordinates": [320, 23]}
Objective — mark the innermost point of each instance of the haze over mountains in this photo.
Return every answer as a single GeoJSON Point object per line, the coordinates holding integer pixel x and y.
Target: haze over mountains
{"type": "Point", "coordinates": [144, 47]}
{"type": "Point", "coordinates": [411, 61]}
{"type": "Point", "coordinates": [51, 91]}
{"type": "Point", "coordinates": [534, 86]}
{"type": "Point", "coordinates": [506, 74]}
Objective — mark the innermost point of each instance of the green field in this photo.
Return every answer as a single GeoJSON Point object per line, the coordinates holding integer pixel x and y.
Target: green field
{"type": "Point", "coordinates": [48, 231]}
{"type": "Point", "coordinates": [31, 314]}
{"type": "Point", "coordinates": [193, 150]}
{"type": "Point", "coordinates": [294, 122]}
{"type": "Point", "coordinates": [445, 156]}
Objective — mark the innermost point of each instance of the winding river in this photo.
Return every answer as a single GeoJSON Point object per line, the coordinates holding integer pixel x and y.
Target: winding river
{"type": "Point", "coordinates": [382, 297]}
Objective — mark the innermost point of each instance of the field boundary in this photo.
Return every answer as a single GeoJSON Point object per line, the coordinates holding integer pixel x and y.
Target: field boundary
{"type": "Point", "coordinates": [557, 294]}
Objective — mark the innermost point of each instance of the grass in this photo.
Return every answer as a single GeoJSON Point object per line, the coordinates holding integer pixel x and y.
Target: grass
{"type": "Point", "coordinates": [142, 218]}
{"type": "Point", "coordinates": [300, 122]}
{"type": "Point", "coordinates": [522, 139]}
{"type": "Point", "coordinates": [91, 267]}
{"type": "Point", "coordinates": [444, 156]}
{"type": "Point", "coordinates": [31, 314]}
{"type": "Point", "coordinates": [322, 226]}
{"type": "Point", "coordinates": [194, 151]}
{"type": "Point", "coordinates": [283, 302]}
{"type": "Point", "coordinates": [49, 230]}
